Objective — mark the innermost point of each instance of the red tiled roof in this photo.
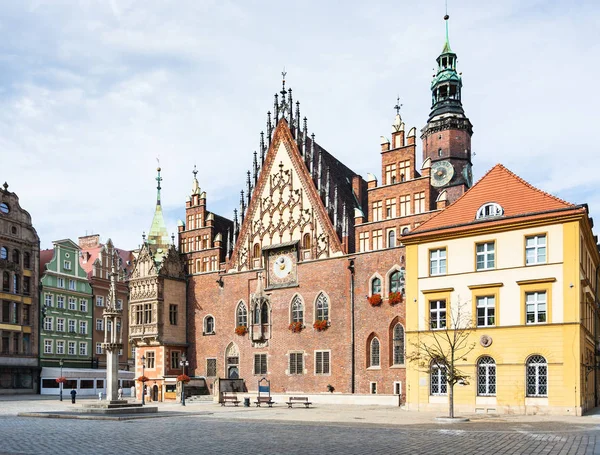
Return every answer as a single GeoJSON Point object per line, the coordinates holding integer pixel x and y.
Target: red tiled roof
{"type": "Point", "coordinates": [45, 257]}
{"type": "Point", "coordinates": [517, 197]}
{"type": "Point", "coordinates": [94, 253]}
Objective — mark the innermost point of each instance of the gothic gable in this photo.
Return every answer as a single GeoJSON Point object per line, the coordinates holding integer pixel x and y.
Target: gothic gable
{"type": "Point", "coordinates": [172, 264]}
{"type": "Point", "coordinates": [285, 207]}
{"type": "Point", "coordinates": [144, 265]}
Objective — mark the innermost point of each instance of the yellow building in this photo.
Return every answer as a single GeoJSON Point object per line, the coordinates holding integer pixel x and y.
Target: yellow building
{"type": "Point", "coordinates": [522, 266]}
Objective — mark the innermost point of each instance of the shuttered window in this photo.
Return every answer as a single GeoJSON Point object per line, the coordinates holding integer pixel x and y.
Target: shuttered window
{"type": "Point", "coordinates": [322, 362]}
{"type": "Point", "coordinates": [296, 363]}
{"type": "Point", "coordinates": [260, 363]}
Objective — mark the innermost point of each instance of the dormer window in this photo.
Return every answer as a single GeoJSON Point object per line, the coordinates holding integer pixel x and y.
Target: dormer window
{"type": "Point", "coordinates": [489, 210]}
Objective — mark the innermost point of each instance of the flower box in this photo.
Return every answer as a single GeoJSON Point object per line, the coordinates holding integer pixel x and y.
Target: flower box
{"type": "Point", "coordinates": [61, 380]}
{"type": "Point", "coordinates": [241, 330]}
{"type": "Point", "coordinates": [394, 298]}
{"type": "Point", "coordinates": [321, 324]}
{"type": "Point", "coordinates": [183, 378]}
{"type": "Point", "coordinates": [296, 327]}
{"type": "Point", "coordinates": [143, 379]}
{"type": "Point", "coordinates": [375, 299]}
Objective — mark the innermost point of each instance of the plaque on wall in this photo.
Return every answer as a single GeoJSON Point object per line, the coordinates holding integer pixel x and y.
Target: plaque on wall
{"type": "Point", "coordinates": [282, 265]}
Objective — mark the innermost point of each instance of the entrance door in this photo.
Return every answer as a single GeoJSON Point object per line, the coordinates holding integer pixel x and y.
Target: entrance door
{"type": "Point", "coordinates": [233, 364]}
{"type": "Point", "coordinates": [155, 393]}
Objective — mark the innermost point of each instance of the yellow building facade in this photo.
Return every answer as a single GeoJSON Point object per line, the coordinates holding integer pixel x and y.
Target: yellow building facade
{"type": "Point", "coordinates": [520, 268]}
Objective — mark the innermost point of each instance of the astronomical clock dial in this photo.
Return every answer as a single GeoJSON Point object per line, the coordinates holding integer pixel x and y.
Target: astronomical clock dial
{"type": "Point", "coordinates": [282, 267]}
{"type": "Point", "coordinates": [441, 173]}
{"type": "Point", "coordinates": [468, 175]}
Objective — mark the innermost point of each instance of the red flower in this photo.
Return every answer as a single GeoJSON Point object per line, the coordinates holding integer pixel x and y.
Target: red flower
{"type": "Point", "coordinates": [143, 379]}
{"type": "Point", "coordinates": [395, 297]}
{"type": "Point", "coordinates": [296, 327]}
{"type": "Point", "coordinates": [375, 299]}
{"type": "Point", "coordinates": [320, 324]}
{"type": "Point", "coordinates": [61, 380]}
{"type": "Point", "coordinates": [241, 330]}
{"type": "Point", "coordinates": [183, 378]}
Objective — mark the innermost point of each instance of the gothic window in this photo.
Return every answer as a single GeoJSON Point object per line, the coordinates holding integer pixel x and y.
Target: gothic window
{"type": "Point", "coordinates": [376, 286]}
{"type": "Point", "coordinates": [398, 344]}
{"type": "Point", "coordinates": [297, 309]}
{"type": "Point", "coordinates": [209, 325]}
{"type": "Point", "coordinates": [256, 250]}
{"type": "Point", "coordinates": [374, 353]}
{"type": "Point", "coordinates": [396, 282]}
{"type": "Point", "coordinates": [16, 256]}
{"type": "Point", "coordinates": [256, 313]}
{"type": "Point", "coordinates": [391, 240]}
{"type": "Point", "coordinates": [264, 313]}
{"type": "Point", "coordinates": [306, 241]}
{"type": "Point", "coordinates": [242, 315]}
{"type": "Point", "coordinates": [322, 308]}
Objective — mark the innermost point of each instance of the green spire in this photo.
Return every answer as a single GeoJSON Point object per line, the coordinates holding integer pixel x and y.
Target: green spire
{"type": "Point", "coordinates": [158, 235]}
{"type": "Point", "coordinates": [447, 48]}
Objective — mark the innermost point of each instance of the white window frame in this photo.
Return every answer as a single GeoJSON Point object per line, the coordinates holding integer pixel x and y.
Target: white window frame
{"type": "Point", "coordinates": [533, 307]}
{"type": "Point", "coordinates": [486, 256]}
{"type": "Point", "coordinates": [72, 303]}
{"type": "Point", "coordinates": [72, 326]}
{"type": "Point", "coordinates": [82, 348]}
{"type": "Point", "coordinates": [373, 388]}
{"type": "Point", "coordinates": [83, 305]}
{"type": "Point", "coordinates": [67, 265]}
{"type": "Point", "coordinates": [48, 323]}
{"type": "Point", "coordinates": [60, 302]}
{"type": "Point", "coordinates": [72, 346]}
{"type": "Point", "coordinates": [535, 370]}
{"type": "Point", "coordinates": [83, 327]}
{"type": "Point", "coordinates": [489, 210]}
{"type": "Point", "coordinates": [438, 385]}
{"type": "Point", "coordinates": [534, 249]}
{"type": "Point", "coordinates": [375, 357]}
{"type": "Point", "coordinates": [48, 346]}
{"type": "Point", "coordinates": [99, 324]}
{"type": "Point", "coordinates": [397, 387]}
{"type": "Point", "coordinates": [60, 282]}
{"type": "Point", "coordinates": [485, 303]}
{"type": "Point", "coordinates": [60, 347]}
{"type": "Point", "coordinates": [438, 262]}
{"type": "Point", "coordinates": [436, 321]}
{"type": "Point", "coordinates": [60, 324]}
{"type": "Point", "coordinates": [49, 300]}
{"type": "Point", "coordinates": [486, 377]}
{"type": "Point", "coordinates": [99, 300]}
{"type": "Point", "coordinates": [72, 285]}
{"type": "Point", "coordinates": [99, 348]}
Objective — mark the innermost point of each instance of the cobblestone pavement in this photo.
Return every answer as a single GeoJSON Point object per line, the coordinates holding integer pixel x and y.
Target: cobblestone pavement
{"type": "Point", "coordinates": [209, 435]}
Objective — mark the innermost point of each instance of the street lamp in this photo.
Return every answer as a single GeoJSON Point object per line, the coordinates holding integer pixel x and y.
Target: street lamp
{"type": "Point", "coordinates": [184, 363]}
{"type": "Point", "coordinates": [143, 383]}
{"type": "Point", "coordinates": [60, 362]}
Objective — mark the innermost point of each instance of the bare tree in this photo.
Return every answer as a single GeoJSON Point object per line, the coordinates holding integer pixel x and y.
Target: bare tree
{"type": "Point", "coordinates": [446, 344]}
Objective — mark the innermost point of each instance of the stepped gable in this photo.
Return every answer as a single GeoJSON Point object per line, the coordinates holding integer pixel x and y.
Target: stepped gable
{"type": "Point", "coordinates": [518, 199]}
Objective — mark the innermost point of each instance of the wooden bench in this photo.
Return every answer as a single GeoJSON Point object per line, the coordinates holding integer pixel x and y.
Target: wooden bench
{"type": "Point", "coordinates": [264, 400]}
{"type": "Point", "coordinates": [298, 400]}
{"type": "Point", "coordinates": [229, 398]}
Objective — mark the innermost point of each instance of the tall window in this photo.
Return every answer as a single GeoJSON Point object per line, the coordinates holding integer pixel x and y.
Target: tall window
{"type": "Point", "coordinates": [439, 385]}
{"type": "Point", "coordinates": [390, 208]}
{"type": "Point", "coordinates": [264, 313]}
{"type": "Point", "coordinates": [83, 305]}
{"type": "Point", "coordinates": [26, 260]}
{"type": "Point", "coordinates": [537, 376]}
{"type": "Point", "coordinates": [211, 368]}
{"type": "Point", "coordinates": [16, 257]}
{"type": "Point", "coordinates": [390, 174]}
{"type": "Point", "coordinates": [72, 326]}
{"type": "Point", "coordinates": [375, 286]}
{"type": "Point", "coordinates": [306, 241]}
{"type": "Point", "coordinates": [374, 353]}
{"type": "Point", "coordinates": [99, 324]}
{"type": "Point", "coordinates": [82, 348]}
{"type": "Point", "coordinates": [260, 363]}
{"type": "Point", "coordinates": [6, 281]}
{"type": "Point", "coordinates": [98, 348]}
{"type": "Point", "coordinates": [175, 359]}
{"type": "Point", "coordinates": [404, 170]}
{"type": "Point", "coordinates": [322, 307]}
{"type": "Point", "coordinates": [405, 205]}
{"type": "Point", "coordinates": [60, 301]}
{"type": "Point", "coordinates": [297, 309]}
{"type": "Point", "coordinates": [47, 346]}
{"type": "Point", "coordinates": [437, 261]}
{"type": "Point", "coordinates": [71, 348]}
{"type": "Point", "coordinates": [47, 323]}
{"type": "Point", "coordinates": [396, 282]}
{"type": "Point", "coordinates": [173, 314]}
{"type": "Point", "coordinates": [419, 202]}
{"type": "Point", "coordinates": [48, 298]}
{"type": "Point", "coordinates": [3, 253]}
{"type": "Point", "coordinates": [322, 362]}
{"type": "Point", "coordinates": [486, 309]}
{"type": "Point", "coordinates": [60, 324]}
{"type": "Point", "coordinates": [391, 240]}
{"type": "Point", "coordinates": [60, 347]}
{"type": "Point", "coordinates": [209, 324]}
{"type": "Point", "coordinates": [256, 252]}
{"type": "Point", "coordinates": [296, 363]}
{"type": "Point", "coordinates": [398, 344]}
{"type": "Point", "coordinates": [72, 286]}
{"type": "Point", "coordinates": [535, 250]}
{"type": "Point", "coordinates": [83, 327]}
{"type": "Point", "coordinates": [72, 303]}
{"type": "Point", "coordinates": [377, 209]}
{"type": "Point", "coordinates": [363, 241]}
{"type": "Point", "coordinates": [99, 300]}
{"type": "Point", "coordinates": [377, 240]}
{"type": "Point", "coordinates": [536, 307]}
{"type": "Point", "coordinates": [242, 315]}
{"type": "Point", "coordinates": [147, 313]}
{"type": "Point", "coordinates": [486, 377]}
{"type": "Point", "coordinates": [485, 256]}
{"type": "Point", "coordinates": [437, 314]}
{"type": "Point", "coordinates": [16, 282]}
{"type": "Point", "coordinates": [150, 359]}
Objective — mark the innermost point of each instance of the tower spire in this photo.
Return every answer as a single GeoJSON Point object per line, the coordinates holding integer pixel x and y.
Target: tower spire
{"type": "Point", "coordinates": [447, 43]}
{"type": "Point", "coordinates": [158, 180]}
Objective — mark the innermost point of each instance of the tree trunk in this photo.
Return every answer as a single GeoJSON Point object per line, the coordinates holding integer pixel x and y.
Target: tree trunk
{"type": "Point", "coordinates": [451, 401]}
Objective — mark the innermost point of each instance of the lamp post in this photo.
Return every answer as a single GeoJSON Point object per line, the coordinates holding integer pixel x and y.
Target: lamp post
{"type": "Point", "coordinates": [143, 383]}
{"type": "Point", "coordinates": [60, 362]}
{"type": "Point", "coordinates": [184, 363]}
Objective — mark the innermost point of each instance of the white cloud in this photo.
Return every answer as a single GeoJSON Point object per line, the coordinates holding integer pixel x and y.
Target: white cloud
{"type": "Point", "coordinates": [92, 92]}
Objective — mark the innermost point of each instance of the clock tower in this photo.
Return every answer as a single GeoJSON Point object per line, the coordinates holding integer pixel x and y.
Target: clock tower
{"type": "Point", "coordinates": [447, 135]}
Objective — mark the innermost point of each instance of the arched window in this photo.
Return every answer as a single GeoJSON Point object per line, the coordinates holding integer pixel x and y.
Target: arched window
{"type": "Point", "coordinates": [242, 315]}
{"type": "Point", "coordinates": [26, 260]}
{"type": "Point", "coordinates": [322, 307]}
{"type": "Point", "coordinates": [486, 377]}
{"type": "Point", "coordinates": [376, 286]}
{"type": "Point", "coordinates": [374, 353]}
{"type": "Point", "coordinates": [397, 282]}
{"type": "Point", "coordinates": [306, 241]}
{"type": "Point", "coordinates": [537, 376]}
{"type": "Point", "coordinates": [438, 384]}
{"type": "Point", "coordinates": [488, 210]}
{"type": "Point", "coordinates": [3, 253]}
{"type": "Point", "coordinates": [209, 325]}
{"type": "Point", "coordinates": [297, 309]}
{"type": "Point", "coordinates": [6, 281]}
{"type": "Point", "coordinates": [256, 250]}
{"type": "Point", "coordinates": [398, 340]}
{"type": "Point", "coordinates": [16, 256]}
{"type": "Point", "coordinates": [264, 313]}
{"type": "Point", "coordinates": [405, 231]}
{"type": "Point", "coordinates": [391, 239]}
{"type": "Point", "coordinates": [16, 283]}
{"type": "Point", "coordinates": [256, 313]}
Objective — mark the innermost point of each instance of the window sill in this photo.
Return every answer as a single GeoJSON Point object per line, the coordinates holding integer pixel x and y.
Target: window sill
{"type": "Point", "coordinates": [398, 366]}
{"type": "Point", "coordinates": [205, 334]}
{"type": "Point", "coordinates": [373, 368]}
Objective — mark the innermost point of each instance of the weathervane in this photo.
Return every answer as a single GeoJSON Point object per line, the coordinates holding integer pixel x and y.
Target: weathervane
{"type": "Point", "coordinates": [398, 106]}
{"type": "Point", "coordinates": [195, 171]}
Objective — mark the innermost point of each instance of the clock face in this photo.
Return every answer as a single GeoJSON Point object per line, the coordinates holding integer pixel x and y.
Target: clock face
{"type": "Point", "coordinates": [282, 266]}
{"type": "Point", "coordinates": [468, 175]}
{"type": "Point", "coordinates": [441, 173]}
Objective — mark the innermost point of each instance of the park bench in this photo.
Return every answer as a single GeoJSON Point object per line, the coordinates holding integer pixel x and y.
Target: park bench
{"type": "Point", "coordinates": [264, 393]}
{"type": "Point", "coordinates": [264, 400]}
{"type": "Point", "coordinates": [229, 398]}
{"type": "Point", "coordinates": [298, 400]}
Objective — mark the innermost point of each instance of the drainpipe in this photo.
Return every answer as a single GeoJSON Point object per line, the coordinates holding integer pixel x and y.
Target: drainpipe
{"type": "Point", "coordinates": [352, 344]}
{"type": "Point", "coordinates": [596, 338]}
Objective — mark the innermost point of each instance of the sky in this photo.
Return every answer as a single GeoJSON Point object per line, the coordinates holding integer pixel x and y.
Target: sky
{"type": "Point", "coordinates": [92, 92]}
